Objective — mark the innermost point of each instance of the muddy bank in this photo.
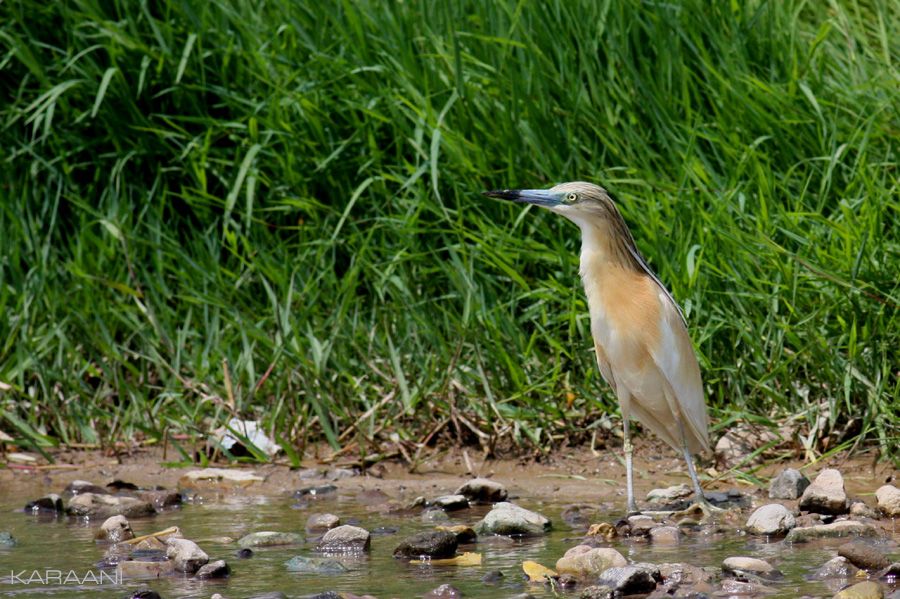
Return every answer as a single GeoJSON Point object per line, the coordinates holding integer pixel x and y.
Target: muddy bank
{"type": "Point", "coordinates": [575, 472]}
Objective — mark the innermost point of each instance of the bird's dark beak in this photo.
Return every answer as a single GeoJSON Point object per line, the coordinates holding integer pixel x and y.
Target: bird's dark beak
{"type": "Point", "coordinates": [540, 197]}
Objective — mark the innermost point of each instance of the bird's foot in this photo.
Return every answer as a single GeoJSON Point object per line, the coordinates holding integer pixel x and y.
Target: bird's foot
{"type": "Point", "coordinates": [702, 510]}
{"type": "Point", "coordinates": [632, 510]}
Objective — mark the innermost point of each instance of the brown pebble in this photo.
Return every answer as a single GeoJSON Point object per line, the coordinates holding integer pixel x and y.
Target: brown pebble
{"type": "Point", "coordinates": [863, 556]}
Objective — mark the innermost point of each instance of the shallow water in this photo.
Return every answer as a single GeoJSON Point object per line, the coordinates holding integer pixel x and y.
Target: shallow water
{"type": "Point", "coordinates": [66, 544]}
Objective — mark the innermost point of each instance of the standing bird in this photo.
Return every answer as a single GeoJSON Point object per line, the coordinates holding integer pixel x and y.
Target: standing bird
{"type": "Point", "coordinates": [640, 335]}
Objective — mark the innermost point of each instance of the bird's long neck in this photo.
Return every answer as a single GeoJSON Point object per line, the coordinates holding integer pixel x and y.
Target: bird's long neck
{"type": "Point", "coordinates": [607, 244]}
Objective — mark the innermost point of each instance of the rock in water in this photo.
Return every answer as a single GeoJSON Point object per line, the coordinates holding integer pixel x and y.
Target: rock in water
{"type": "Point", "coordinates": [741, 566]}
{"type": "Point", "coordinates": [445, 591]}
{"type": "Point", "coordinates": [772, 519]}
{"type": "Point", "coordinates": [510, 519]}
{"type": "Point", "coordinates": [345, 539]}
{"type": "Point", "coordinates": [91, 505]}
{"type": "Point", "coordinates": [483, 490]}
{"type": "Point", "coordinates": [864, 556]}
{"type": "Point", "coordinates": [597, 591]}
{"type": "Point", "coordinates": [141, 568]}
{"type": "Point", "coordinates": [314, 565]}
{"type": "Point", "coordinates": [665, 535]}
{"type": "Point", "coordinates": [838, 567]}
{"type": "Point", "coordinates": [322, 522]}
{"type": "Point", "coordinates": [431, 544]}
{"type": "Point", "coordinates": [115, 530]}
{"type": "Point", "coordinates": [859, 509]}
{"type": "Point", "coordinates": [862, 590]}
{"type": "Point", "coordinates": [842, 528]}
{"type": "Point", "coordinates": [450, 503]}
{"type": "Point", "coordinates": [888, 498]}
{"type": "Point", "coordinates": [216, 569]}
{"type": "Point", "coordinates": [144, 594]}
{"type": "Point", "coordinates": [631, 580]}
{"type": "Point", "coordinates": [789, 484]}
{"type": "Point", "coordinates": [50, 504]}
{"type": "Point", "coordinates": [463, 533]}
{"type": "Point", "coordinates": [583, 561]}
{"type": "Point", "coordinates": [77, 487]}
{"type": "Point", "coordinates": [826, 495]}
{"type": "Point", "coordinates": [270, 538]}
{"type": "Point", "coordinates": [186, 555]}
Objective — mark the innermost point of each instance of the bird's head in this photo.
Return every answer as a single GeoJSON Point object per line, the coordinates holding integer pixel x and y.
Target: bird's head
{"type": "Point", "coordinates": [578, 201]}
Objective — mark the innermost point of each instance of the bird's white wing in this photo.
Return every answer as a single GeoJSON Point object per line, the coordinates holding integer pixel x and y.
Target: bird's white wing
{"type": "Point", "coordinates": [674, 356]}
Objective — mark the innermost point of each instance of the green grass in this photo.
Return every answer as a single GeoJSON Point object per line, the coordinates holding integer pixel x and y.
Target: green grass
{"type": "Point", "coordinates": [272, 210]}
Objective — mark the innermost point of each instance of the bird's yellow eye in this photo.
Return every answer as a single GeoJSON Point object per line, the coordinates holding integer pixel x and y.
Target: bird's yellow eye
{"type": "Point", "coordinates": [571, 197]}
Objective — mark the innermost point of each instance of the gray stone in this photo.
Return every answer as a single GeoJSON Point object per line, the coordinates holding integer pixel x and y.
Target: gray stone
{"type": "Point", "coordinates": [838, 567]}
{"type": "Point", "coordinates": [772, 519]}
{"type": "Point", "coordinates": [270, 538]}
{"type": "Point", "coordinates": [309, 474]}
{"type": "Point", "coordinates": [640, 525]}
{"type": "Point", "coordinates": [863, 556]}
{"type": "Point", "coordinates": [77, 487]}
{"type": "Point", "coordinates": [583, 561]}
{"type": "Point", "coordinates": [483, 490]}
{"type": "Point", "coordinates": [314, 565]}
{"type": "Point", "coordinates": [161, 499]}
{"type": "Point", "coordinates": [510, 519]}
{"type": "Point", "coordinates": [186, 555]}
{"type": "Point", "coordinates": [345, 539]}
{"type": "Point", "coordinates": [115, 530]}
{"type": "Point", "coordinates": [735, 587]}
{"type": "Point", "coordinates": [341, 473]}
{"type": "Point", "coordinates": [445, 591]}
{"type": "Point", "coordinates": [826, 495]}
{"type": "Point", "coordinates": [220, 478]}
{"type": "Point", "coordinates": [322, 522]}
{"type": "Point", "coordinates": [841, 528]}
{"type": "Point", "coordinates": [435, 544]}
{"type": "Point", "coordinates": [433, 515]}
{"type": "Point", "coordinates": [685, 581]}
{"type": "Point", "coordinates": [665, 535]}
{"type": "Point", "coordinates": [669, 494]}
{"type": "Point", "coordinates": [7, 540]}
{"type": "Point", "coordinates": [859, 509]}
{"type": "Point", "coordinates": [742, 566]}
{"type": "Point", "coordinates": [464, 534]}
{"type": "Point", "coordinates": [597, 591]}
{"type": "Point", "coordinates": [631, 580]}
{"type": "Point", "coordinates": [888, 498]}
{"type": "Point", "coordinates": [450, 503]}
{"type": "Point", "coordinates": [216, 569]}
{"type": "Point", "coordinates": [145, 568]}
{"type": "Point", "coordinates": [789, 484]}
{"type": "Point", "coordinates": [862, 590]}
{"type": "Point", "coordinates": [316, 491]}
{"type": "Point", "coordinates": [94, 506]}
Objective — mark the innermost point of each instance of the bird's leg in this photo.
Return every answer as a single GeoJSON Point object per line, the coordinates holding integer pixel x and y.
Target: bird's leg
{"type": "Point", "coordinates": [631, 506]}
{"type": "Point", "coordinates": [704, 503]}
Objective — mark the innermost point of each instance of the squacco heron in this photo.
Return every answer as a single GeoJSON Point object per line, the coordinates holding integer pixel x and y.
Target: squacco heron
{"type": "Point", "coordinates": [640, 335]}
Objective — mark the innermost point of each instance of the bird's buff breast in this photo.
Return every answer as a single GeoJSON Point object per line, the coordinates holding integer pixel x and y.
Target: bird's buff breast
{"type": "Point", "coordinates": [625, 314]}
